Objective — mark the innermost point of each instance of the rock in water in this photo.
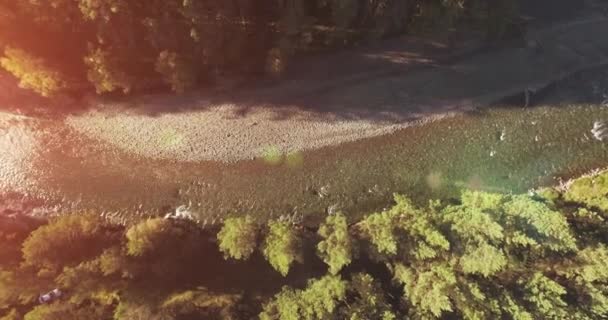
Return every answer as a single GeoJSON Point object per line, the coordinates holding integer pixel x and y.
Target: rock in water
{"type": "Point", "coordinates": [600, 130]}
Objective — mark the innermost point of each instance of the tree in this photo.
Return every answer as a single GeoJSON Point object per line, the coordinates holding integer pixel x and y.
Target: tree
{"type": "Point", "coordinates": [590, 191]}
{"type": "Point", "coordinates": [418, 236]}
{"type": "Point", "coordinates": [429, 290]}
{"type": "Point", "coordinates": [282, 246]}
{"type": "Point", "coordinates": [546, 296]}
{"type": "Point", "coordinates": [318, 301]}
{"type": "Point", "coordinates": [13, 231]}
{"type": "Point", "coordinates": [336, 248]}
{"type": "Point", "coordinates": [66, 311]}
{"type": "Point", "coordinates": [380, 230]}
{"type": "Point", "coordinates": [238, 237]}
{"type": "Point", "coordinates": [68, 240]}
{"type": "Point", "coordinates": [200, 302]}
{"type": "Point", "coordinates": [177, 71]}
{"type": "Point", "coordinates": [544, 228]}
{"type": "Point", "coordinates": [33, 73]}
{"type": "Point", "coordinates": [133, 311]}
{"type": "Point", "coordinates": [367, 300]}
{"type": "Point", "coordinates": [152, 236]}
{"type": "Point", "coordinates": [105, 73]}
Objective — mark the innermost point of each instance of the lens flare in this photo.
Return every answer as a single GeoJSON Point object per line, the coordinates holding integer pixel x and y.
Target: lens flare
{"type": "Point", "coordinates": [272, 155]}
{"type": "Point", "coordinates": [434, 180]}
{"type": "Point", "coordinates": [294, 159]}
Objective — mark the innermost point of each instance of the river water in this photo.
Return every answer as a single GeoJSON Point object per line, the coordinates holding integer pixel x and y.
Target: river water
{"type": "Point", "coordinates": [505, 148]}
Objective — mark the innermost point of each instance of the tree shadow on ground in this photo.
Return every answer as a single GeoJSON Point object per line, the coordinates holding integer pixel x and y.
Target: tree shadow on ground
{"type": "Point", "coordinates": [401, 79]}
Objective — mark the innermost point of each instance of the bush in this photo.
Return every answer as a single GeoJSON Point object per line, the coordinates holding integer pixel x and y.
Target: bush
{"type": "Point", "coordinates": [127, 46]}
{"type": "Point", "coordinates": [67, 241]}
{"type": "Point", "coordinates": [488, 256]}
{"type": "Point", "coordinates": [33, 73]}
{"type": "Point", "coordinates": [591, 192]}
{"type": "Point", "coordinates": [282, 246]}
{"type": "Point", "coordinates": [177, 71]}
{"type": "Point", "coordinates": [238, 238]}
{"type": "Point", "coordinates": [336, 246]}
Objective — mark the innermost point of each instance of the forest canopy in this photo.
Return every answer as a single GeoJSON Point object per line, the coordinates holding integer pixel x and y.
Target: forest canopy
{"type": "Point", "coordinates": [487, 256]}
{"type": "Point", "coordinates": [130, 45]}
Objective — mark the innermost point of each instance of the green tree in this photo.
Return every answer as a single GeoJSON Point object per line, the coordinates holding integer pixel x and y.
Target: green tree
{"type": "Point", "coordinates": [404, 227]}
{"type": "Point", "coordinates": [591, 192]}
{"type": "Point", "coordinates": [429, 290]}
{"type": "Point", "coordinates": [282, 246]}
{"type": "Point", "coordinates": [366, 300]}
{"type": "Point", "coordinates": [532, 223]}
{"type": "Point", "coordinates": [336, 248]}
{"type": "Point", "coordinates": [33, 73]}
{"type": "Point", "coordinates": [68, 240]}
{"type": "Point", "coordinates": [318, 301]}
{"type": "Point", "coordinates": [105, 72]}
{"type": "Point", "coordinates": [133, 311]}
{"type": "Point", "coordinates": [546, 296]}
{"type": "Point", "coordinates": [200, 302]}
{"type": "Point", "coordinates": [67, 311]}
{"type": "Point", "coordinates": [177, 71]}
{"type": "Point", "coordinates": [238, 237]}
{"type": "Point", "coordinates": [152, 236]}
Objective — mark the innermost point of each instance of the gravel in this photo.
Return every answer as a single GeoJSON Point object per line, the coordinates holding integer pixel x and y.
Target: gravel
{"type": "Point", "coordinates": [219, 134]}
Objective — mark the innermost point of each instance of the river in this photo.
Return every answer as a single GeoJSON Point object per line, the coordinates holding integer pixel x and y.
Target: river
{"type": "Point", "coordinates": [505, 148]}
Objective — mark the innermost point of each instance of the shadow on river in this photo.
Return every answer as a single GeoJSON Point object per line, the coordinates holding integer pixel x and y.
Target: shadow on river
{"type": "Point", "coordinates": [501, 149]}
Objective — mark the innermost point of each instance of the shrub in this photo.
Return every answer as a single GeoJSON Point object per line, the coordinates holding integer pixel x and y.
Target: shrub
{"type": "Point", "coordinates": [33, 73]}
{"type": "Point", "coordinates": [178, 71]}
{"type": "Point", "coordinates": [336, 246]}
{"type": "Point", "coordinates": [590, 191]}
{"type": "Point", "coordinates": [67, 240]}
{"type": "Point", "coordinates": [238, 238]}
{"type": "Point", "coordinates": [105, 73]}
{"type": "Point", "coordinates": [282, 246]}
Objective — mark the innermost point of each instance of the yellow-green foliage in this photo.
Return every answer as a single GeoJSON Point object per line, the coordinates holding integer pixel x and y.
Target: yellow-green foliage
{"type": "Point", "coordinates": [406, 228]}
{"type": "Point", "coordinates": [367, 299]}
{"type": "Point", "coordinates": [151, 235]}
{"type": "Point", "coordinates": [544, 227]}
{"type": "Point", "coordinates": [198, 300]}
{"type": "Point", "coordinates": [105, 74]}
{"type": "Point", "coordinates": [590, 191]}
{"type": "Point", "coordinates": [488, 257]}
{"type": "Point", "coordinates": [427, 290]}
{"type": "Point", "coordinates": [336, 246]}
{"type": "Point", "coordinates": [131, 311]}
{"type": "Point", "coordinates": [546, 296]}
{"type": "Point", "coordinates": [238, 238]}
{"type": "Point", "coordinates": [318, 301]}
{"type": "Point", "coordinates": [485, 260]}
{"type": "Point", "coordinates": [588, 272]}
{"type": "Point", "coordinates": [65, 311]}
{"type": "Point", "coordinates": [66, 241]}
{"type": "Point", "coordinates": [282, 246]}
{"type": "Point", "coordinates": [32, 72]}
{"type": "Point", "coordinates": [379, 227]}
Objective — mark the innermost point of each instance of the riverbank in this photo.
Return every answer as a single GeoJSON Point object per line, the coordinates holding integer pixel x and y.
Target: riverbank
{"type": "Point", "coordinates": [303, 115]}
{"type": "Point", "coordinates": [542, 144]}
